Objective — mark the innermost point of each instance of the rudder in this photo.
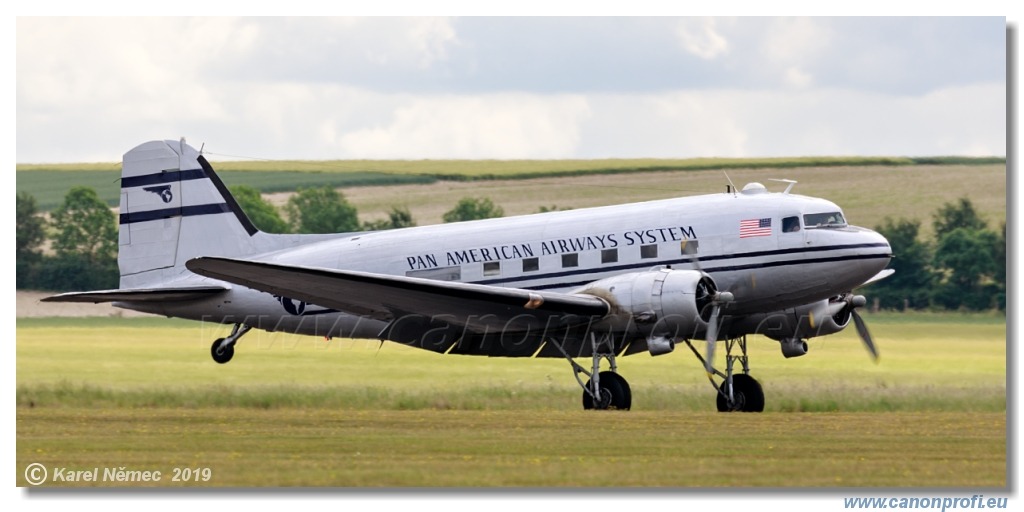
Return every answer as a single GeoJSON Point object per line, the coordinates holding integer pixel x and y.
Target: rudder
{"type": "Point", "coordinates": [174, 208]}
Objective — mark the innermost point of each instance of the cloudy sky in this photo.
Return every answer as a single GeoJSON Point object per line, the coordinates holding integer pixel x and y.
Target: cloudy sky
{"type": "Point", "coordinates": [89, 89]}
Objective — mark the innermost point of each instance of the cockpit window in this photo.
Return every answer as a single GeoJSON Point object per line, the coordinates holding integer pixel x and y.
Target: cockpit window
{"type": "Point", "coordinates": [790, 224]}
{"type": "Point", "coordinates": [824, 220]}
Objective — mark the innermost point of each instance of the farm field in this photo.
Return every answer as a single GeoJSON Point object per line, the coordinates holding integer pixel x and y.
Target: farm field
{"type": "Point", "coordinates": [50, 186]}
{"type": "Point", "coordinates": [300, 411]}
{"type": "Point", "coordinates": [867, 193]}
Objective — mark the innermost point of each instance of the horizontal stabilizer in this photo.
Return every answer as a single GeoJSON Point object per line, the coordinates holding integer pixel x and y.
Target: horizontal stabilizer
{"type": "Point", "coordinates": [138, 295]}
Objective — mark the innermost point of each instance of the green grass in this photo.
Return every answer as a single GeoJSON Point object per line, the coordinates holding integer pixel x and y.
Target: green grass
{"type": "Point", "coordinates": [301, 411]}
{"type": "Point", "coordinates": [372, 448]}
{"type": "Point", "coordinates": [930, 362]}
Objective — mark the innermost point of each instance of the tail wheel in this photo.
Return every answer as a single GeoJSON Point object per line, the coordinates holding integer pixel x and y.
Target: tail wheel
{"type": "Point", "coordinates": [614, 393]}
{"type": "Point", "coordinates": [746, 393]}
{"type": "Point", "coordinates": [222, 354]}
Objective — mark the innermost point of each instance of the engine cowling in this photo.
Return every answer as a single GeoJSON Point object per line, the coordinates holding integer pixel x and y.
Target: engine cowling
{"type": "Point", "coordinates": [791, 327]}
{"type": "Point", "coordinates": [661, 305]}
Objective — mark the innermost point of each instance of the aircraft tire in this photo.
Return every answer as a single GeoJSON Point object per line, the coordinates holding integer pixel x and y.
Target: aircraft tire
{"type": "Point", "coordinates": [747, 392]}
{"type": "Point", "coordinates": [221, 355]}
{"type": "Point", "coordinates": [615, 393]}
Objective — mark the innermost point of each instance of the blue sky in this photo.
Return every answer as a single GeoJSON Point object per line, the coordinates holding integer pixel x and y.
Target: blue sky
{"type": "Point", "coordinates": [89, 89]}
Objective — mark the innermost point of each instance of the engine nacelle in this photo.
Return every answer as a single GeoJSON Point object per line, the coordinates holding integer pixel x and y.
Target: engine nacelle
{"type": "Point", "coordinates": [792, 326]}
{"type": "Point", "coordinates": [661, 305]}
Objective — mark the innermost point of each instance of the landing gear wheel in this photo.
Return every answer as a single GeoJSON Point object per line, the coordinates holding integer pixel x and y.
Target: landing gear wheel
{"type": "Point", "coordinates": [746, 393]}
{"type": "Point", "coordinates": [222, 354]}
{"type": "Point", "coordinates": [614, 393]}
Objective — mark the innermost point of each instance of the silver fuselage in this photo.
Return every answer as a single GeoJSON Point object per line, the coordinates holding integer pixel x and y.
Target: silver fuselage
{"type": "Point", "coordinates": [765, 268]}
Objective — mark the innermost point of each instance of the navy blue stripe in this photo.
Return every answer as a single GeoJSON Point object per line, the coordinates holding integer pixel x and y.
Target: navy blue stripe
{"type": "Point", "coordinates": [163, 177]}
{"type": "Point", "coordinates": [708, 270]}
{"type": "Point", "coordinates": [228, 198]}
{"type": "Point", "coordinates": [794, 250]}
{"type": "Point", "coordinates": [166, 213]}
{"type": "Point", "coordinates": [680, 261]}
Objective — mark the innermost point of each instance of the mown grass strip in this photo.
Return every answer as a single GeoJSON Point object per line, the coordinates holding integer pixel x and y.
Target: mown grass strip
{"type": "Point", "coordinates": [836, 397]}
{"type": "Point", "coordinates": [425, 448]}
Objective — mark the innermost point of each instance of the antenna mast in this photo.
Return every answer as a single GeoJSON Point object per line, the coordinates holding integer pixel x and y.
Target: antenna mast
{"type": "Point", "coordinates": [730, 183]}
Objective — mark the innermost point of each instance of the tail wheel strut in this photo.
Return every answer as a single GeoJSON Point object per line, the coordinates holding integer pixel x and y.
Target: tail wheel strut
{"type": "Point", "coordinates": [223, 349]}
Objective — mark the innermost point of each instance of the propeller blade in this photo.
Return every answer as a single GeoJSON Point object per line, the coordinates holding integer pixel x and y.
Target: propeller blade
{"type": "Point", "coordinates": [711, 337]}
{"type": "Point", "coordinates": [865, 336]}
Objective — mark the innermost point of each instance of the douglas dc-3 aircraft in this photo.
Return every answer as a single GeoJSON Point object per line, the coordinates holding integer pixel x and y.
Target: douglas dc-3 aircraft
{"type": "Point", "coordinates": [595, 283]}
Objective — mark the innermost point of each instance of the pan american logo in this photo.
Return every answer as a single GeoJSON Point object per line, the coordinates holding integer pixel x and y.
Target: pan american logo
{"type": "Point", "coordinates": [553, 246]}
{"type": "Point", "coordinates": [164, 191]}
{"type": "Point", "coordinates": [299, 308]}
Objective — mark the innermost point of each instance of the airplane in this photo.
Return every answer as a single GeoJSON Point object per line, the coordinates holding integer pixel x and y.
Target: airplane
{"type": "Point", "coordinates": [592, 284]}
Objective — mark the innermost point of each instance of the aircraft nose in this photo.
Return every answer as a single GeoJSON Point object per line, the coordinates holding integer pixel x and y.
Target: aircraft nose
{"type": "Point", "coordinates": [880, 241]}
{"type": "Point", "coordinates": [878, 246]}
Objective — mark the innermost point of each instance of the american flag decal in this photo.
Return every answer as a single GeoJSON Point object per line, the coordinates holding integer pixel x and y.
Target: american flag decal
{"type": "Point", "coordinates": [755, 227]}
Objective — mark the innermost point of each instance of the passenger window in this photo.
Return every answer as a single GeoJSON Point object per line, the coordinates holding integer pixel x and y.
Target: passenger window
{"type": "Point", "coordinates": [791, 224]}
{"type": "Point", "coordinates": [609, 255]}
{"type": "Point", "coordinates": [438, 274]}
{"type": "Point", "coordinates": [570, 260]}
{"type": "Point", "coordinates": [689, 247]}
{"type": "Point", "coordinates": [648, 251]}
{"type": "Point", "coordinates": [492, 268]}
{"type": "Point", "coordinates": [531, 264]}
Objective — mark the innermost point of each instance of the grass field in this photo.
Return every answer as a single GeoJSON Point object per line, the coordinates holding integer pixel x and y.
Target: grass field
{"type": "Point", "coordinates": [372, 448]}
{"type": "Point", "coordinates": [107, 392]}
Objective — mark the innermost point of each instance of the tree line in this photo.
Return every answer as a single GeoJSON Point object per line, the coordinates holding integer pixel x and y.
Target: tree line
{"type": "Point", "coordinates": [962, 267]}
{"type": "Point", "coordinates": [76, 248]}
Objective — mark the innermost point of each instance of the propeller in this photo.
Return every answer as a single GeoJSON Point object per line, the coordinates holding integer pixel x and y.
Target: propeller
{"type": "Point", "coordinates": [708, 294]}
{"type": "Point", "coordinates": [852, 303]}
{"type": "Point", "coordinates": [711, 336]}
{"type": "Point", "coordinates": [865, 335]}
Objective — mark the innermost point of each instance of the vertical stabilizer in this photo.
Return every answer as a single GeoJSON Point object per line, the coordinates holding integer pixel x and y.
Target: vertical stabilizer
{"type": "Point", "coordinates": [174, 208]}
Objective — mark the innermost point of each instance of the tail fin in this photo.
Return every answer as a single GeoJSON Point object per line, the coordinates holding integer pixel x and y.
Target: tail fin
{"type": "Point", "coordinates": [174, 208]}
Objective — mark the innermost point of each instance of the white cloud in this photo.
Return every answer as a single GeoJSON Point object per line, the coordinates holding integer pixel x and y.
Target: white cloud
{"type": "Point", "coordinates": [430, 39]}
{"type": "Point", "coordinates": [792, 40]}
{"type": "Point", "coordinates": [700, 37]}
{"type": "Point", "coordinates": [797, 77]}
{"type": "Point", "coordinates": [502, 126]}
{"type": "Point", "coordinates": [750, 123]}
{"type": "Point", "coordinates": [90, 88]}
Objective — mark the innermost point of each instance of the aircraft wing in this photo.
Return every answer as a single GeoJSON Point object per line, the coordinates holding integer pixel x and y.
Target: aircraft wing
{"type": "Point", "coordinates": [138, 294]}
{"type": "Point", "coordinates": [419, 311]}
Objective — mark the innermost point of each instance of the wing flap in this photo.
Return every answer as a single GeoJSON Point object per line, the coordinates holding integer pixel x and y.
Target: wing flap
{"type": "Point", "coordinates": [138, 294]}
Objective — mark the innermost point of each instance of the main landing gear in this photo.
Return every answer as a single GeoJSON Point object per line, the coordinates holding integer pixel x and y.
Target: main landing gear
{"type": "Point", "coordinates": [737, 391]}
{"type": "Point", "coordinates": [223, 349]}
{"type": "Point", "coordinates": [605, 390]}
{"type": "Point", "coordinates": [609, 390]}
